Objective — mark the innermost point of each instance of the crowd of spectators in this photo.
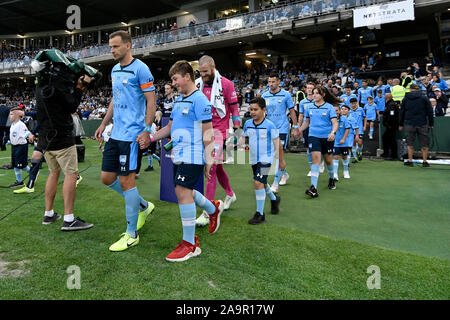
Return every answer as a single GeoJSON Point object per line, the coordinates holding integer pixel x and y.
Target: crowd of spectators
{"type": "Point", "coordinates": [159, 32]}
{"type": "Point", "coordinates": [335, 74]}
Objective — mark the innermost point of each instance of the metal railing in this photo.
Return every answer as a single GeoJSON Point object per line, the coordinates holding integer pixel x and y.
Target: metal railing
{"type": "Point", "coordinates": [272, 16]}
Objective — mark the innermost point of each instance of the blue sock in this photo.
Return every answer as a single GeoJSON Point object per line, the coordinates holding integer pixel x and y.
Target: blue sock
{"type": "Point", "coordinates": [187, 213]}
{"type": "Point", "coordinates": [132, 210]}
{"type": "Point", "coordinates": [360, 149]}
{"type": "Point", "coordinates": [371, 131]}
{"type": "Point", "coordinates": [345, 162]}
{"type": "Point", "coordinates": [260, 199]}
{"type": "Point", "coordinates": [117, 188]}
{"type": "Point", "coordinates": [201, 201]}
{"type": "Point", "coordinates": [156, 157]}
{"type": "Point", "coordinates": [27, 169]}
{"type": "Point", "coordinates": [330, 171]}
{"type": "Point", "coordinates": [270, 193]}
{"type": "Point", "coordinates": [314, 174]}
{"type": "Point", "coordinates": [150, 161]}
{"type": "Point", "coordinates": [277, 177]}
{"type": "Point", "coordinates": [354, 152]}
{"type": "Point", "coordinates": [308, 154]}
{"type": "Point", "coordinates": [18, 173]}
{"type": "Point", "coordinates": [335, 166]}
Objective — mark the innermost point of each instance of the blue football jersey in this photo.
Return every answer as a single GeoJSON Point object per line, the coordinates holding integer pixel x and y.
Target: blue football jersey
{"type": "Point", "coordinates": [364, 93]}
{"type": "Point", "coordinates": [346, 98]}
{"type": "Point", "coordinates": [188, 114]}
{"type": "Point", "coordinates": [320, 125]}
{"type": "Point", "coordinates": [303, 107]}
{"type": "Point", "coordinates": [343, 124]}
{"type": "Point", "coordinates": [261, 136]}
{"type": "Point", "coordinates": [128, 86]}
{"type": "Point", "coordinates": [359, 116]}
{"type": "Point", "coordinates": [277, 105]}
{"type": "Point", "coordinates": [380, 102]}
{"type": "Point", "coordinates": [371, 111]}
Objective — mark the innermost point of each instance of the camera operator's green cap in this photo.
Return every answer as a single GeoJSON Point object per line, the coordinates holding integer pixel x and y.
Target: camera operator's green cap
{"type": "Point", "coordinates": [57, 56]}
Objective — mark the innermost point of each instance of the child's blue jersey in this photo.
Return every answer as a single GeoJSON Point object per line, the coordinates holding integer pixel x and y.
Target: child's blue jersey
{"type": "Point", "coordinates": [346, 98]}
{"type": "Point", "coordinates": [380, 102]}
{"type": "Point", "coordinates": [188, 114]}
{"type": "Point", "coordinates": [261, 136]}
{"type": "Point", "coordinates": [303, 107]}
{"type": "Point", "coordinates": [359, 116]}
{"type": "Point", "coordinates": [371, 111]}
{"type": "Point", "coordinates": [343, 124]}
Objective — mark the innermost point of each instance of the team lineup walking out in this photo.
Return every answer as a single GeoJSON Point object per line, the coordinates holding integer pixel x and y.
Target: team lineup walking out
{"type": "Point", "coordinates": [203, 110]}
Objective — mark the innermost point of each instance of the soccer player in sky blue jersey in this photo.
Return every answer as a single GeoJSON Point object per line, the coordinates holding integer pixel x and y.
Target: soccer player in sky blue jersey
{"type": "Point", "coordinates": [347, 95]}
{"type": "Point", "coordinates": [358, 113]}
{"type": "Point", "coordinates": [263, 144]}
{"type": "Point", "coordinates": [380, 101]}
{"type": "Point", "coordinates": [191, 131]}
{"type": "Point", "coordinates": [278, 103]}
{"type": "Point", "coordinates": [303, 109]}
{"type": "Point", "coordinates": [371, 115]}
{"type": "Point", "coordinates": [322, 123]}
{"type": "Point", "coordinates": [379, 86]}
{"type": "Point", "coordinates": [364, 92]}
{"type": "Point", "coordinates": [132, 106]}
{"type": "Point", "coordinates": [341, 147]}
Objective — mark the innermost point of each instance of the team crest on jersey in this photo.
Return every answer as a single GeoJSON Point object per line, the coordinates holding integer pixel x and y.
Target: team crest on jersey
{"type": "Point", "coordinates": [271, 108]}
{"type": "Point", "coordinates": [123, 159]}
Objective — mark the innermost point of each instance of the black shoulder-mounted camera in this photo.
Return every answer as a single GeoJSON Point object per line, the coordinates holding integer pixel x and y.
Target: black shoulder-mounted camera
{"type": "Point", "coordinates": [52, 66]}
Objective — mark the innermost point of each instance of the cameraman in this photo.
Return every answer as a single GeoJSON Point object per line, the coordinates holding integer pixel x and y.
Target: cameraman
{"type": "Point", "coordinates": [55, 104]}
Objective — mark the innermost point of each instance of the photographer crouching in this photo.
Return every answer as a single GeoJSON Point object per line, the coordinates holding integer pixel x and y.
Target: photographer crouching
{"type": "Point", "coordinates": [58, 94]}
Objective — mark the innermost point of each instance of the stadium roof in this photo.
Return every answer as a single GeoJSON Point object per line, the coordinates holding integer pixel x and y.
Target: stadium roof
{"type": "Point", "coordinates": [23, 16]}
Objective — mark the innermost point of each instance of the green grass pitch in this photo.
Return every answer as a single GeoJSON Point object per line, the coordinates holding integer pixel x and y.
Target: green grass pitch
{"type": "Point", "coordinates": [386, 215]}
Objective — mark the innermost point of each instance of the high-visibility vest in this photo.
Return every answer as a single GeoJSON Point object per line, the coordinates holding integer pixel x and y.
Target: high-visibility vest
{"type": "Point", "coordinates": [300, 96]}
{"type": "Point", "coordinates": [407, 89]}
{"type": "Point", "coordinates": [398, 93]}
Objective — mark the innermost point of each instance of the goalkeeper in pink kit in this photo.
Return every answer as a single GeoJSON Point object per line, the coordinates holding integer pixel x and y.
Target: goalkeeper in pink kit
{"type": "Point", "coordinates": [220, 91]}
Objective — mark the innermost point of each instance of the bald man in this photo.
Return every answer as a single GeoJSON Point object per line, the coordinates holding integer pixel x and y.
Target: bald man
{"type": "Point", "coordinates": [222, 95]}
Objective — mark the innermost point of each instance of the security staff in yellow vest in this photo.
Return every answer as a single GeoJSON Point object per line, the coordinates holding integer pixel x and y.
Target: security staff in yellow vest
{"type": "Point", "coordinates": [398, 92]}
{"type": "Point", "coordinates": [406, 81]}
{"type": "Point", "coordinates": [299, 97]}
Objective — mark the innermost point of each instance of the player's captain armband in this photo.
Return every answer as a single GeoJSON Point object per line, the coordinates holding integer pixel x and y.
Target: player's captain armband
{"type": "Point", "coordinates": [236, 118]}
{"type": "Point", "coordinates": [146, 85]}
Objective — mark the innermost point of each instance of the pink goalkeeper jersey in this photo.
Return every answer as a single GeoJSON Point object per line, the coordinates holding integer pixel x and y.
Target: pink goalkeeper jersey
{"type": "Point", "coordinates": [231, 105]}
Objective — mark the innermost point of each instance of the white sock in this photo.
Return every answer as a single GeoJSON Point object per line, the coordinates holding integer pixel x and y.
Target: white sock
{"type": "Point", "coordinates": [49, 213]}
{"type": "Point", "coordinates": [68, 217]}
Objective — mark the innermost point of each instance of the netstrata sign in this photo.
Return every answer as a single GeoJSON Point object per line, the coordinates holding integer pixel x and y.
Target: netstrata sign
{"type": "Point", "coordinates": [383, 13]}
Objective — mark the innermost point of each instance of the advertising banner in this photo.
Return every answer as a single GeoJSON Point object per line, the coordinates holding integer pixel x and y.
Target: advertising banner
{"type": "Point", "coordinates": [383, 13]}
